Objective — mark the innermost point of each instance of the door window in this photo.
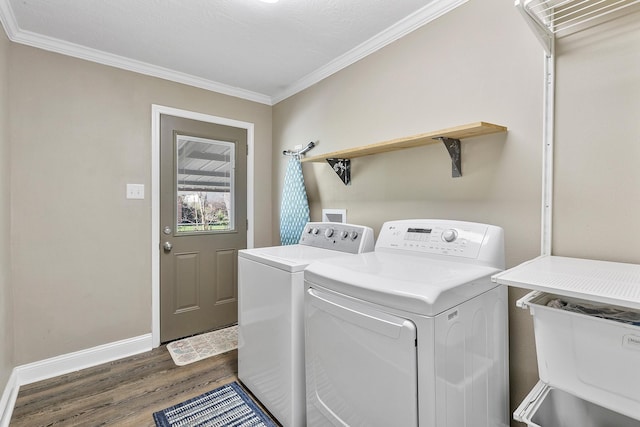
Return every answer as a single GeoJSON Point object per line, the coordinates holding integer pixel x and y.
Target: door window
{"type": "Point", "coordinates": [204, 185]}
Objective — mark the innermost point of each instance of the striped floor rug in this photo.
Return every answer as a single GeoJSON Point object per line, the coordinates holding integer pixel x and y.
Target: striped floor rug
{"type": "Point", "coordinates": [228, 405]}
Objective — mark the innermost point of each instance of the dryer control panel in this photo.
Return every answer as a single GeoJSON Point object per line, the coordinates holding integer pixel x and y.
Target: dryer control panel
{"type": "Point", "coordinates": [338, 236]}
{"type": "Point", "coordinates": [468, 240]}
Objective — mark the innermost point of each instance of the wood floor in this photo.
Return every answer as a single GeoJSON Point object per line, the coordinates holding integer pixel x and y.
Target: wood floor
{"type": "Point", "coordinates": [121, 393]}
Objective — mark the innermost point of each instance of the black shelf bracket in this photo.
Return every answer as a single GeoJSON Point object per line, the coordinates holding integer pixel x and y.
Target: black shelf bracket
{"type": "Point", "coordinates": [342, 168]}
{"type": "Point", "coordinates": [453, 147]}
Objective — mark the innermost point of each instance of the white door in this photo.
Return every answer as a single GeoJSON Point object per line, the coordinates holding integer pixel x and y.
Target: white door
{"type": "Point", "coordinates": [361, 364]}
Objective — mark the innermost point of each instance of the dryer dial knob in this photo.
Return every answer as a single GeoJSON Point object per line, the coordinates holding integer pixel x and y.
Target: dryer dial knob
{"type": "Point", "coordinates": [328, 232]}
{"type": "Point", "coordinates": [344, 234]}
{"type": "Point", "coordinates": [353, 235]}
{"type": "Point", "coordinates": [315, 231]}
{"type": "Point", "coordinates": [449, 235]}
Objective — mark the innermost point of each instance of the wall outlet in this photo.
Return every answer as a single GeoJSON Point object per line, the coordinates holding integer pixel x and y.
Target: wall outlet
{"type": "Point", "coordinates": [135, 191]}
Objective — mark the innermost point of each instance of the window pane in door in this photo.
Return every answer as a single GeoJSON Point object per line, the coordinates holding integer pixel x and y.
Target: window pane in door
{"type": "Point", "coordinates": [204, 185]}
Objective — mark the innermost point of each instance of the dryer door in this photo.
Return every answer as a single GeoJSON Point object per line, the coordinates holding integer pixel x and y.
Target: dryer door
{"type": "Point", "coordinates": [361, 364]}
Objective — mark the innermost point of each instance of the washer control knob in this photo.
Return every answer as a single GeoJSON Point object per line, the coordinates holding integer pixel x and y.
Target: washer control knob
{"type": "Point", "coordinates": [314, 231]}
{"type": "Point", "coordinates": [309, 230]}
{"type": "Point", "coordinates": [328, 232]}
{"type": "Point", "coordinates": [450, 235]}
{"type": "Point", "coordinates": [344, 234]}
{"type": "Point", "coordinates": [353, 235]}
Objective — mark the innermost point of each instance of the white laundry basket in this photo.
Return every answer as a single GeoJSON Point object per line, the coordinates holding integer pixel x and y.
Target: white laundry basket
{"type": "Point", "coordinates": [589, 364]}
{"type": "Point", "coordinates": [592, 358]}
{"type": "Point", "coordinates": [550, 407]}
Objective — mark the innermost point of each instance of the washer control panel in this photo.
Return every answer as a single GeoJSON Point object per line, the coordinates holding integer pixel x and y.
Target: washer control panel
{"type": "Point", "coordinates": [338, 236]}
{"type": "Point", "coordinates": [440, 237]}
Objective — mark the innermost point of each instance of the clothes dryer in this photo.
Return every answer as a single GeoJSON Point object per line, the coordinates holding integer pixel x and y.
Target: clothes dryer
{"type": "Point", "coordinates": [412, 334]}
{"type": "Point", "coordinates": [270, 313]}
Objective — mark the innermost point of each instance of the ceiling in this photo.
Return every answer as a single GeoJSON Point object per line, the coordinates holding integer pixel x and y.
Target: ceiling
{"type": "Point", "coordinates": [264, 52]}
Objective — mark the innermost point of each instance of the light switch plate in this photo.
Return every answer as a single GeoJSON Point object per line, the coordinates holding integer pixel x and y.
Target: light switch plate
{"type": "Point", "coordinates": [135, 191]}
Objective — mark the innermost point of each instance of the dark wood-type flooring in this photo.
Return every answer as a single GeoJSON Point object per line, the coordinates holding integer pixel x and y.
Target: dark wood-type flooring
{"type": "Point", "coordinates": [125, 392]}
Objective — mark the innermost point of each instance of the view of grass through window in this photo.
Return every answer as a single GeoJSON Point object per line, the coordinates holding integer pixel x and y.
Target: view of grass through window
{"type": "Point", "coordinates": [202, 211]}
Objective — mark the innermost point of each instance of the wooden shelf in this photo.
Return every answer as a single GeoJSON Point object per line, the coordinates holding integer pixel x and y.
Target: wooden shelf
{"type": "Point", "coordinates": [459, 132]}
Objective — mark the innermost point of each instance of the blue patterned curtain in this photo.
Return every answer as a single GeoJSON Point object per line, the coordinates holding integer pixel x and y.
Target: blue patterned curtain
{"type": "Point", "coordinates": [294, 210]}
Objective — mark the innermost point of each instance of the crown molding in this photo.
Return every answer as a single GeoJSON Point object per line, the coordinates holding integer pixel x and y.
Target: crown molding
{"type": "Point", "coordinates": [15, 34]}
{"type": "Point", "coordinates": [7, 18]}
{"type": "Point", "coordinates": [94, 55]}
{"type": "Point", "coordinates": [411, 23]}
{"type": "Point", "coordinates": [407, 25]}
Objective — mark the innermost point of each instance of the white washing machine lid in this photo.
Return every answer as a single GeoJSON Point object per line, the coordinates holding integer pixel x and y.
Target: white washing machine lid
{"type": "Point", "coordinates": [291, 258]}
{"type": "Point", "coordinates": [409, 283]}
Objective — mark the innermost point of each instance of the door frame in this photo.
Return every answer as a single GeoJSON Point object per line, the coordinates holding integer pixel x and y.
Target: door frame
{"type": "Point", "coordinates": [156, 111]}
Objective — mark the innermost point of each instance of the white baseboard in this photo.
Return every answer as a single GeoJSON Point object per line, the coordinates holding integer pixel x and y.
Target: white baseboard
{"type": "Point", "coordinates": [60, 365]}
{"type": "Point", "coordinates": [8, 399]}
{"type": "Point", "coordinates": [82, 359]}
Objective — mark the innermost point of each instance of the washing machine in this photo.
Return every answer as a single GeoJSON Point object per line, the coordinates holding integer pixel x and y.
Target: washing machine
{"type": "Point", "coordinates": [270, 313]}
{"type": "Point", "coordinates": [412, 334]}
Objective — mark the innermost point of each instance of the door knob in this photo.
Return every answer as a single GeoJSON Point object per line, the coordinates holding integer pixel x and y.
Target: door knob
{"type": "Point", "coordinates": [167, 246]}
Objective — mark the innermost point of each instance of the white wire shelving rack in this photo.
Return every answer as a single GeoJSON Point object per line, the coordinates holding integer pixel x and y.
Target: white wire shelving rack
{"type": "Point", "coordinates": [551, 19]}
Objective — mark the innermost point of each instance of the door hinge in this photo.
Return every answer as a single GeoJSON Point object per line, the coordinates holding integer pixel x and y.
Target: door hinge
{"type": "Point", "coordinates": [247, 148]}
{"type": "Point", "coordinates": [247, 224]}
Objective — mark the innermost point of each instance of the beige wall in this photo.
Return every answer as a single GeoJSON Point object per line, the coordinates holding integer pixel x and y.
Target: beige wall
{"type": "Point", "coordinates": [597, 173]}
{"type": "Point", "coordinates": [6, 317]}
{"type": "Point", "coordinates": [481, 62]}
{"type": "Point", "coordinates": [477, 63]}
{"type": "Point", "coordinates": [80, 131]}
{"type": "Point", "coordinates": [82, 252]}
